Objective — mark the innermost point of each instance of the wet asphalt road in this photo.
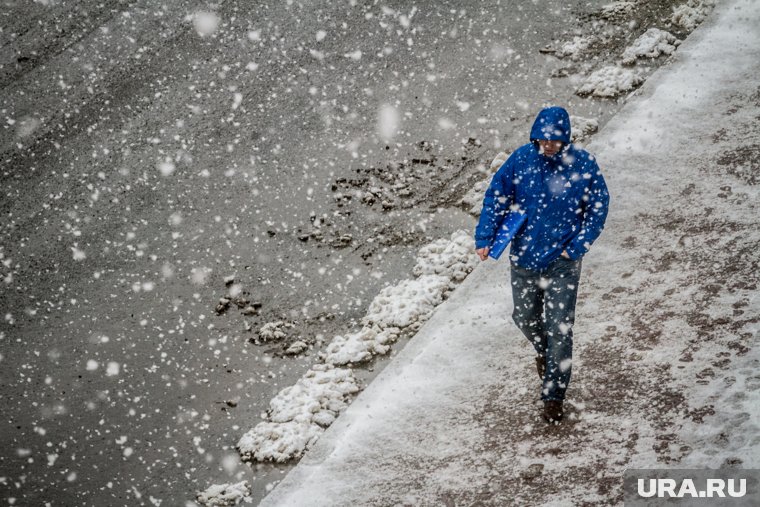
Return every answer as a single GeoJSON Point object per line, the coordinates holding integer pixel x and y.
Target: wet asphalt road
{"type": "Point", "coordinates": [143, 163]}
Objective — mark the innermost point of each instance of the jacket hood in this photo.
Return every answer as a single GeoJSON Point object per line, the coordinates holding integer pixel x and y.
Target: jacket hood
{"type": "Point", "coordinates": [552, 124]}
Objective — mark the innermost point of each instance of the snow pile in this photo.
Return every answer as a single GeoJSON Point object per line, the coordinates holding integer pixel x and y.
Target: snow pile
{"type": "Point", "coordinates": [582, 128]}
{"type": "Point", "coordinates": [316, 397]}
{"type": "Point", "coordinates": [474, 198]}
{"type": "Point", "coordinates": [361, 346]}
{"type": "Point", "coordinates": [573, 49]}
{"type": "Point", "coordinates": [610, 81]}
{"type": "Point", "coordinates": [440, 265]}
{"type": "Point", "coordinates": [692, 13]}
{"type": "Point", "coordinates": [408, 302]}
{"type": "Point", "coordinates": [299, 414]}
{"type": "Point", "coordinates": [653, 43]}
{"type": "Point", "coordinates": [617, 10]}
{"type": "Point", "coordinates": [278, 442]}
{"type": "Point", "coordinates": [453, 258]}
{"type": "Point", "coordinates": [406, 305]}
{"type": "Point", "coordinates": [296, 347]}
{"type": "Point", "coordinates": [222, 495]}
{"type": "Point", "coordinates": [498, 161]}
{"type": "Point", "coordinates": [274, 330]}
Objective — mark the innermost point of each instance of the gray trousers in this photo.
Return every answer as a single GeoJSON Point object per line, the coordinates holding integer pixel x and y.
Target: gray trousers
{"type": "Point", "coordinates": [544, 310]}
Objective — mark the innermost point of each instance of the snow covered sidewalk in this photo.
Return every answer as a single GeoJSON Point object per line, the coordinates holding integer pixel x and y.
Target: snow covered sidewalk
{"type": "Point", "coordinates": [666, 368]}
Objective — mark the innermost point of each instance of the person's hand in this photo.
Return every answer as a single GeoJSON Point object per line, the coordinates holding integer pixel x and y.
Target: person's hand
{"type": "Point", "coordinates": [565, 254]}
{"type": "Point", "coordinates": [482, 253]}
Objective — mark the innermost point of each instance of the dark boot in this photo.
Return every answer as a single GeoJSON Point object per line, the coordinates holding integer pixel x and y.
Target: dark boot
{"type": "Point", "coordinates": [541, 366]}
{"type": "Point", "coordinates": [553, 410]}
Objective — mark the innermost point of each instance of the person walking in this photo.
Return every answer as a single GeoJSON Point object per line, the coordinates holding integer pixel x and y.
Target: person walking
{"type": "Point", "coordinates": [562, 192]}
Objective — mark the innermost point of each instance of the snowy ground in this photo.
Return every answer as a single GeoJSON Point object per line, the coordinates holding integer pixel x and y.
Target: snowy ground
{"type": "Point", "coordinates": [666, 362]}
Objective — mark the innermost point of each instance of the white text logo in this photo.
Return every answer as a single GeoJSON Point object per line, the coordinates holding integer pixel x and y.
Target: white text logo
{"type": "Point", "coordinates": [648, 488]}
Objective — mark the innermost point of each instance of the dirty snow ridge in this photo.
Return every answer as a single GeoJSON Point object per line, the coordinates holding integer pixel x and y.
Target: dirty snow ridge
{"type": "Point", "coordinates": [574, 48]}
{"type": "Point", "coordinates": [441, 265]}
{"type": "Point", "coordinates": [409, 302]}
{"type": "Point", "coordinates": [617, 10]}
{"type": "Point", "coordinates": [582, 128]}
{"type": "Point", "coordinates": [610, 81]}
{"type": "Point", "coordinates": [299, 414]}
{"type": "Point", "coordinates": [498, 161]}
{"type": "Point", "coordinates": [362, 345]}
{"type": "Point", "coordinates": [274, 330]}
{"type": "Point", "coordinates": [692, 13]}
{"type": "Point", "coordinates": [653, 43]}
{"type": "Point", "coordinates": [474, 197]}
{"type": "Point", "coordinates": [223, 495]}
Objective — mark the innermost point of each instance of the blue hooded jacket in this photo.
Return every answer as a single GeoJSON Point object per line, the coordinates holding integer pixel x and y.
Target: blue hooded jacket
{"type": "Point", "coordinates": [565, 197]}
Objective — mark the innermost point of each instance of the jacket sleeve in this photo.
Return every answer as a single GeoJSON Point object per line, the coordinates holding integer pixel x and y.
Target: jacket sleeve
{"type": "Point", "coordinates": [498, 199]}
{"type": "Point", "coordinates": [596, 202]}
